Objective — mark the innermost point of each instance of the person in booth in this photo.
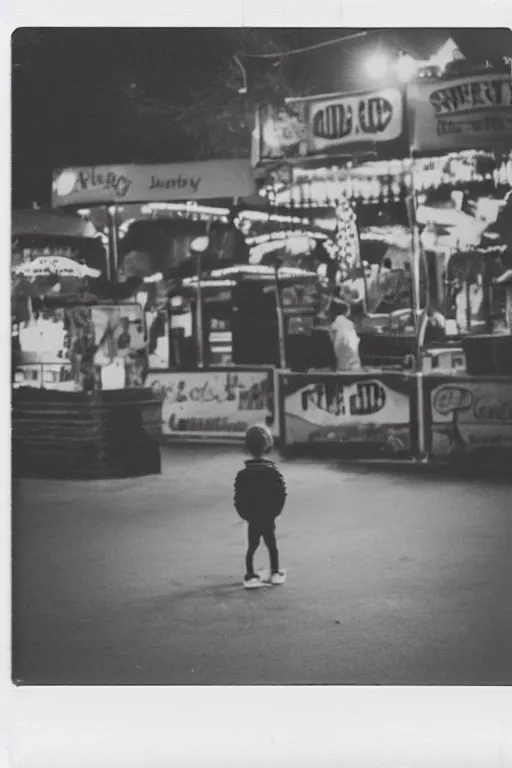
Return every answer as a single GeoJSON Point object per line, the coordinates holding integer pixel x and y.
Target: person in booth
{"type": "Point", "coordinates": [344, 337]}
{"type": "Point", "coordinates": [322, 348]}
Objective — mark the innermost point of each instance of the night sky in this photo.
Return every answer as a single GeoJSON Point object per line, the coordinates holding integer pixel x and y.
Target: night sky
{"type": "Point", "coordinates": [86, 96]}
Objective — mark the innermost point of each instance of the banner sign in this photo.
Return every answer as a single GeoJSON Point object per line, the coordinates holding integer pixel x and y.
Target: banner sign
{"type": "Point", "coordinates": [367, 410]}
{"type": "Point", "coordinates": [314, 125]}
{"type": "Point", "coordinates": [363, 118]}
{"type": "Point", "coordinates": [102, 185]}
{"type": "Point", "coordinates": [212, 404]}
{"type": "Point", "coordinates": [469, 414]}
{"type": "Point", "coordinates": [470, 112]}
{"type": "Point", "coordinates": [60, 266]}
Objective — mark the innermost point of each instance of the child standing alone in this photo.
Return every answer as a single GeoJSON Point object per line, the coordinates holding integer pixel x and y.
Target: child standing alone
{"type": "Point", "coordinates": [260, 495]}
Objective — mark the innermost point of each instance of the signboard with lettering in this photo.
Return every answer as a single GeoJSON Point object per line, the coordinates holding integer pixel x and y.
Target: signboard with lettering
{"type": "Point", "coordinates": [60, 266]}
{"type": "Point", "coordinates": [281, 131]}
{"type": "Point", "coordinates": [312, 126]}
{"type": "Point", "coordinates": [469, 414]}
{"type": "Point", "coordinates": [470, 112]}
{"type": "Point", "coordinates": [212, 404]}
{"type": "Point", "coordinates": [360, 118]}
{"type": "Point", "coordinates": [369, 411]}
{"type": "Point", "coordinates": [102, 185]}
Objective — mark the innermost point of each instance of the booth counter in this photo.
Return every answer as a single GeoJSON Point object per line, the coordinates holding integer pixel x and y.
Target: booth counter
{"type": "Point", "coordinates": [468, 415]}
{"type": "Point", "coordinates": [214, 404]}
{"type": "Point", "coordinates": [367, 414]}
{"type": "Point", "coordinates": [85, 435]}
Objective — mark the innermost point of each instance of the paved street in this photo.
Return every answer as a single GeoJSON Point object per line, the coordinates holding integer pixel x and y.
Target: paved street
{"type": "Point", "coordinates": [394, 577]}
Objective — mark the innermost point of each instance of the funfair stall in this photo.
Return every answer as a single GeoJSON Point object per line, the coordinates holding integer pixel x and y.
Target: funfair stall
{"type": "Point", "coordinates": [398, 192]}
{"type": "Point", "coordinates": [152, 214]}
{"type": "Point", "coordinates": [214, 342]}
{"type": "Point", "coordinates": [343, 151]}
{"type": "Point", "coordinates": [79, 357]}
{"type": "Point", "coordinates": [463, 125]}
{"type": "Point", "coordinates": [242, 352]}
{"type": "Point", "coordinates": [425, 170]}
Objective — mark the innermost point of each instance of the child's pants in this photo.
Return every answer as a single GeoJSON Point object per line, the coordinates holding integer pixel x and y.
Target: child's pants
{"type": "Point", "coordinates": [255, 531]}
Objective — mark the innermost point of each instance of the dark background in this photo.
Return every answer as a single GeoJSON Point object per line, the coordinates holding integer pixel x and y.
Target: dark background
{"type": "Point", "coordinates": [87, 96]}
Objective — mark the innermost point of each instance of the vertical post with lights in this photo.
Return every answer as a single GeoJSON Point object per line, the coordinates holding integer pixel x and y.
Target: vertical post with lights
{"type": "Point", "coordinates": [198, 247]}
{"type": "Point", "coordinates": [113, 243]}
{"type": "Point", "coordinates": [281, 331]}
{"type": "Point", "coordinates": [199, 313]}
{"type": "Point", "coordinates": [280, 318]}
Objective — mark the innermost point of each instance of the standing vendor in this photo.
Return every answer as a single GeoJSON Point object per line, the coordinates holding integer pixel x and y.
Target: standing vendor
{"type": "Point", "coordinates": [344, 337]}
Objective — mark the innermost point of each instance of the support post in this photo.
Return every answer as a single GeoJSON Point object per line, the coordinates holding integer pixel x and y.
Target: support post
{"type": "Point", "coordinates": [280, 321]}
{"type": "Point", "coordinates": [113, 241]}
{"type": "Point", "coordinates": [199, 314]}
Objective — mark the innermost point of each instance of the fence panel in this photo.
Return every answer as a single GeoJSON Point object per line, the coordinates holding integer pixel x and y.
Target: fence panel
{"type": "Point", "coordinates": [215, 404]}
{"type": "Point", "coordinates": [367, 413]}
{"type": "Point", "coordinates": [467, 415]}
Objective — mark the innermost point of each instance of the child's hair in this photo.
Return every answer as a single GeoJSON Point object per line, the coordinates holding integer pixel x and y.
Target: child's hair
{"type": "Point", "coordinates": [258, 440]}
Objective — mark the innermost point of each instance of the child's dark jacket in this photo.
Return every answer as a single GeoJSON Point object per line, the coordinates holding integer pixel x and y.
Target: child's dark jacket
{"type": "Point", "coordinates": [260, 491]}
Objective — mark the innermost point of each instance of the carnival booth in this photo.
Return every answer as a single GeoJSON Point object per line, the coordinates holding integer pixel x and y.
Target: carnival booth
{"type": "Point", "coordinates": [462, 136]}
{"type": "Point", "coordinates": [221, 302]}
{"type": "Point", "coordinates": [250, 318]}
{"type": "Point", "coordinates": [79, 357]}
{"type": "Point", "coordinates": [151, 215]}
{"type": "Point", "coordinates": [348, 152]}
{"type": "Point", "coordinates": [398, 194]}
{"type": "Point", "coordinates": [424, 170]}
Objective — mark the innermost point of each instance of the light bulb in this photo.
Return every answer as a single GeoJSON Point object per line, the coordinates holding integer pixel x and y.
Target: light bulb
{"type": "Point", "coordinates": [65, 183]}
{"type": "Point", "coordinates": [377, 66]}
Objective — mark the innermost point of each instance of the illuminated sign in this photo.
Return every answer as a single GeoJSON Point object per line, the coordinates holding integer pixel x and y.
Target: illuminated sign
{"type": "Point", "coordinates": [468, 112]}
{"type": "Point", "coordinates": [106, 184]}
{"type": "Point", "coordinates": [342, 120]}
{"type": "Point", "coordinates": [46, 266]}
{"type": "Point", "coordinates": [311, 125]}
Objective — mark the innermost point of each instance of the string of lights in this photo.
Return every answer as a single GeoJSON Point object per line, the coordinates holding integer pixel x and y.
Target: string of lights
{"type": "Point", "coordinates": [282, 54]}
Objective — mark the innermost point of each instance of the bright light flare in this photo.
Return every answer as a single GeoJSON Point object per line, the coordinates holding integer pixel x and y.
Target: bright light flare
{"type": "Point", "coordinates": [200, 244]}
{"type": "Point", "coordinates": [64, 184]}
{"type": "Point", "coordinates": [377, 66]}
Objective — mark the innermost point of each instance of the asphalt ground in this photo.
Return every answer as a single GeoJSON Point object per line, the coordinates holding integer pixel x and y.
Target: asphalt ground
{"type": "Point", "coordinates": [396, 576]}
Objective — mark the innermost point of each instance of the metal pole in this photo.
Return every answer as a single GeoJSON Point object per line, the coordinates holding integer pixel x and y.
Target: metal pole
{"type": "Point", "coordinates": [199, 305]}
{"type": "Point", "coordinates": [199, 314]}
{"type": "Point", "coordinates": [361, 267]}
{"type": "Point", "coordinates": [113, 241]}
{"type": "Point", "coordinates": [280, 321]}
{"type": "Point", "coordinates": [108, 247]}
{"type": "Point", "coordinates": [416, 242]}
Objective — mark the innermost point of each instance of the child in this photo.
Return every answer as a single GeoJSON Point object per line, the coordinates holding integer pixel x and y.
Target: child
{"type": "Point", "coordinates": [260, 494]}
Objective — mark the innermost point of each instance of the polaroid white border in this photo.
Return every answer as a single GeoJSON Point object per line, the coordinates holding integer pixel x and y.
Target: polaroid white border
{"type": "Point", "coordinates": [220, 727]}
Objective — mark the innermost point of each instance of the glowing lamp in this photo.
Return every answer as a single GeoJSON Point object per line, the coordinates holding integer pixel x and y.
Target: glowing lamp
{"type": "Point", "coordinates": [65, 183]}
{"type": "Point", "coordinates": [376, 66]}
{"type": "Point", "coordinates": [154, 278]}
{"type": "Point", "coordinates": [199, 244]}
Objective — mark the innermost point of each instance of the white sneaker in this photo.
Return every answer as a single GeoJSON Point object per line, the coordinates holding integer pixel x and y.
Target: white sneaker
{"type": "Point", "coordinates": [278, 578]}
{"type": "Point", "coordinates": [252, 583]}
{"type": "Point", "coordinates": [265, 576]}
